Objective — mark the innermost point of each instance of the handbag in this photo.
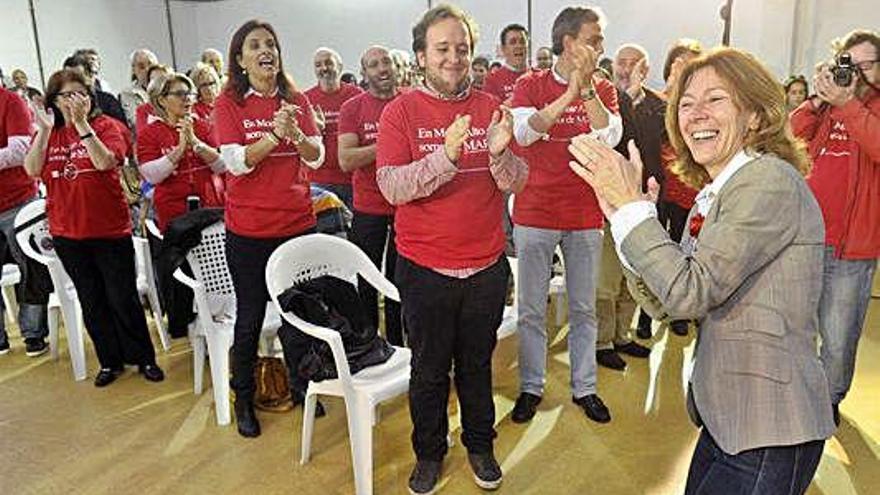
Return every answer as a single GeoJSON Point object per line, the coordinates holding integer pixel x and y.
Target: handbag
{"type": "Point", "coordinates": [273, 388]}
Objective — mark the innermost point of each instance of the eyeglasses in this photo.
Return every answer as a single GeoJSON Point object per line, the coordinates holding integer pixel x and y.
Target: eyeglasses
{"type": "Point", "coordinates": [68, 94]}
{"type": "Point", "coordinates": [182, 94]}
{"type": "Point", "coordinates": [865, 65]}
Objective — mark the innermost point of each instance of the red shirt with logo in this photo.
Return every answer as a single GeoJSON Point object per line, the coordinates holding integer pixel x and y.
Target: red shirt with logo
{"type": "Point", "coordinates": [832, 166]}
{"type": "Point", "coordinates": [501, 83]}
{"type": "Point", "coordinates": [192, 177]}
{"type": "Point", "coordinates": [272, 200]}
{"type": "Point", "coordinates": [360, 115]}
{"type": "Point", "coordinates": [459, 225]}
{"type": "Point", "coordinates": [330, 103]}
{"type": "Point", "coordinates": [142, 116]}
{"type": "Point", "coordinates": [84, 202]}
{"type": "Point", "coordinates": [15, 120]}
{"type": "Point", "coordinates": [554, 197]}
{"type": "Point", "coordinates": [204, 112]}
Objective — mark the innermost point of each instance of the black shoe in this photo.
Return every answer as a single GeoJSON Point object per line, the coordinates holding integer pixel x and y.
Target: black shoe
{"type": "Point", "coordinates": [610, 359]}
{"type": "Point", "coordinates": [35, 347]}
{"type": "Point", "coordinates": [836, 412]}
{"type": "Point", "coordinates": [594, 408]}
{"type": "Point", "coordinates": [299, 398]}
{"type": "Point", "coordinates": [424, 477]}
{"type": "Point", "coordinates": [246, 419]}
{"type": "Point", "coordinates": [525, 407]}
{"type": "Point", "coordinates": [679, 327]}
{"type": "Point", "coordinates": [643, 329]}
{"type": "Point", "coordinates": [151, 372]}
{"type": "Point", "coordinates": [107, 376]}
{"type": "Point", "coordinates": [633, 349]}
{"type": "Point", "coordinates": [487, 472]}
{"type": "Point", "coordinates": [4, 348]}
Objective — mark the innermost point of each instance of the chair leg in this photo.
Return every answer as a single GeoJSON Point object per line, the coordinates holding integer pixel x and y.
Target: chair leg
{"type": "Point", "coordinates": [360, 434]}
{"type": "Point", "coordinates": [53, 316]}
{"type": "Point", "coordinates": [72, 323]}
{"type": "Point", "coordinates": [218, 350]}
{"type": "Point", "coordinates": [308, 425]}
{"type": "Point", "coordinates": [198, 346]}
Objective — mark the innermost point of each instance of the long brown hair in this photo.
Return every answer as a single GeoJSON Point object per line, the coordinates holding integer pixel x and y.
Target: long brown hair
{"type": "Point", "coordinates": [237, 83]}
{"type": "Point", "coordinates": [53, 87]}
{"type": "Point", "coordinates": [753, 89]}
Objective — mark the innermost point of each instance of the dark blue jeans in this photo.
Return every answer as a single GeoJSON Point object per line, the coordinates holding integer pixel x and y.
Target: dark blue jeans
{"type": "Point", "coordinates": [784, 470]}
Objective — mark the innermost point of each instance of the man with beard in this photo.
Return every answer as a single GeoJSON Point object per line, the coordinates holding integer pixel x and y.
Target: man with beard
{"type": "Point", "coordinates": [327, 98]}
{"type": "Point", "coordinates": [373, 222]}
{"type": "Point", "coordinates": [443, 162]}
{"type": "Point", "coordinates": [514, 47]}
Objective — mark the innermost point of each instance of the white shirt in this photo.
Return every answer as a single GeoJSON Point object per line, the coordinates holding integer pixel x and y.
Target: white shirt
{"type": "Point", "coordinates": [525, 135]}
{"type": "Point", "coordinates": [630, 215]}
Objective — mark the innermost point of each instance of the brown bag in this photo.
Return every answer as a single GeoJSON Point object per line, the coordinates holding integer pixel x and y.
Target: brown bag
{"type": "Point", "coordinates": [273, 388]}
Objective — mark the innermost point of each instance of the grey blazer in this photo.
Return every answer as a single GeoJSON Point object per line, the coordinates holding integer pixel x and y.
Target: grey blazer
{"type": "Point", "coordinates": [753, 280]}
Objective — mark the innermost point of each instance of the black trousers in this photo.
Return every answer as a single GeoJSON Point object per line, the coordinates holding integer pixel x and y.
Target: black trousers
{"type": "Point", "coordinates": [103, 272]}
{"type": "Point", "coordinates": [370, 233]}
{"type": "Point", "coordinates": [448, 321]}
{"type": "Point", "coordinates": [247, 258]}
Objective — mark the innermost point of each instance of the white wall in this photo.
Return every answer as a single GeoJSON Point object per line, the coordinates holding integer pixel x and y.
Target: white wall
{"type": "Point", "coordinates": [789, 35]}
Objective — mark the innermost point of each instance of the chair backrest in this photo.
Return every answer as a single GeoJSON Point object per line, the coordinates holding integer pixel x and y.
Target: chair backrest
{"type": "Point", "coordinates": [32, 232]}
{"type": "Point", "coordinates": [208, 263]}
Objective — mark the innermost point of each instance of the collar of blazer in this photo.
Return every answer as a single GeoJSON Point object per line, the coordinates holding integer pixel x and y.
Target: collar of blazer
{"type": "Point", "coordinates": [706, 197]}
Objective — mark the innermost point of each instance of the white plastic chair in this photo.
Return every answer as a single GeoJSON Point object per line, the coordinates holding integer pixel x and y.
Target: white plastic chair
{"type": "Point", "coordinates": [148, 288]}
{"type": "Point", "coordinates": [213, 328]}
{"type": "Point", "coordinates": [311, 256]}
{"type": "Point", "coordinates": [32, 235]}
{"type": "Point", "coordinates": [9, 278]}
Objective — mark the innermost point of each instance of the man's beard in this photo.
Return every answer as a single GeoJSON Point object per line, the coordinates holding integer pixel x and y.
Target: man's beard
{"type": "Point", "coordinates": [439, 85]}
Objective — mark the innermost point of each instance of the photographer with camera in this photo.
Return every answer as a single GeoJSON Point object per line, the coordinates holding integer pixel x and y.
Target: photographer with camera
{"type": "Point", "coordinates": [841, 124]}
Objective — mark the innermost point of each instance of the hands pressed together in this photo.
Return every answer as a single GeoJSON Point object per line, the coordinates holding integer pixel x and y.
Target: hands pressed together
{"type": "Point", "coordinates": [615, 180]}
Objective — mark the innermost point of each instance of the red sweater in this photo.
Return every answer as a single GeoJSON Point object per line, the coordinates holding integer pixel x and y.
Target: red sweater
{"type": "Point", "coordinates": [554, 197]}
{"type": "Point", "coordinates": [15, 120]}
{"type": "Point", "coordinates": [330, 103]}
{"type": "Point", "coordinates": [459, 225]}
{"type": "Point", "coordinates": [83, 202]}
{"type": "Point", "coordinates": [272, 200]}
{"type": "Point", "coordinates": [192, 177]}
{"type": "Point", "coordinates": [845, 178]}
{"type": "Point", "coordinates": [360, 116]}
{"type": "Point", "coordinates": [501, 82]}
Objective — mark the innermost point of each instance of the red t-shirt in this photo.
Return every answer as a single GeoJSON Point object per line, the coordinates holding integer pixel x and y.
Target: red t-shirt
{"type": "Point", "coordinates": [83, 202]}
{"type": "Point", "coordinates": [360, 115]}
{"type": "Point", "coordinates": [273, 200]}
{"type": "Point", "coordinates": [832, 166]}
{"type": "Point", "coordinates": [15, 120]}
{"type": "Point", "coordinates": [204, 112]}
{"type": "Point", "coordinates": [674, 190]}
{"type": "Point", "coordinates": [501, 83]}
{"type": "Point", "coordinates": [459, 225]}
{"type": "Point", "coordinates": [554, 197]}
{"type": "Point", "coordinates": [330, 103]}
{"type": "Point", "coordinates": [142, 116]}
{"type": "Point", "coordinates": [192, 177]}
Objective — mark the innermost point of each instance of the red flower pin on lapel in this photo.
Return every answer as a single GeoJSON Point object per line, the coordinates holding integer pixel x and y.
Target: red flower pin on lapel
{"type": "Point", "coordinates": [696, 225]}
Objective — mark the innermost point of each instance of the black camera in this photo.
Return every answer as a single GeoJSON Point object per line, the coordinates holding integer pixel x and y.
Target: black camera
{"type": "Point", "coordinates": [843, 70]}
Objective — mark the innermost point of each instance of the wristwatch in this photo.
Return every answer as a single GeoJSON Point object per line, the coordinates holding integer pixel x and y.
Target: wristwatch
{"type": "Point", "coordinates": [588, 94]}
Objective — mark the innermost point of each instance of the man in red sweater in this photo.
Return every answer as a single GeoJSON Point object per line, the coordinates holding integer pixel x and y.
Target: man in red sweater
{"type": "Point", "coordinates": [16, 190]}
{"type": "Point", "coordinates": [515, 48]}
{"type": "Point", "coordinates": [327, 98]}
{"type": "Point", "coordinates": [444, 163]}
{"type": "Point", "coordinates": [556, 208]}
{"type": "Point", "coordinates": [841, 123]}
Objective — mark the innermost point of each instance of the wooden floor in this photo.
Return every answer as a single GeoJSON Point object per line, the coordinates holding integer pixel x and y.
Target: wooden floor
{"type": "Point", "coordinates": [62, 437]}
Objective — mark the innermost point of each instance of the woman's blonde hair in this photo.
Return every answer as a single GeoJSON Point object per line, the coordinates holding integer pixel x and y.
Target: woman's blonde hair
{"type": "Point", "coordinates": [753, 89]}
{"type": "Point", "coordinates": [160, 87]}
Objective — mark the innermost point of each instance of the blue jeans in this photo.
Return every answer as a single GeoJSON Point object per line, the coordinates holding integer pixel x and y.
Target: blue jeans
{"type": "Point", "coordinates": [779, 470]}
{"type": "Point", "coordinates": [32, 318]}
{"type": "Point", "coordinates": [581, 252]}
{"type": "Point", "coordinates": [846, 291]}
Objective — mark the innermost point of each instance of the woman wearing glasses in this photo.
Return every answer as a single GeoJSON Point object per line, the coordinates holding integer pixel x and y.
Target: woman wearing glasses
{"type": "Point", "coordinates": [207, 83]}
{"type": "Point", "coordinates": [177, 152]}
{"type": "Point", "coordinates": [77, 152]}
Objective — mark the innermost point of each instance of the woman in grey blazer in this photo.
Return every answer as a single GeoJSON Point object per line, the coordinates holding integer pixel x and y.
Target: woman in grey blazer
{"type": "Point", "coordinates": [749, 269]}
